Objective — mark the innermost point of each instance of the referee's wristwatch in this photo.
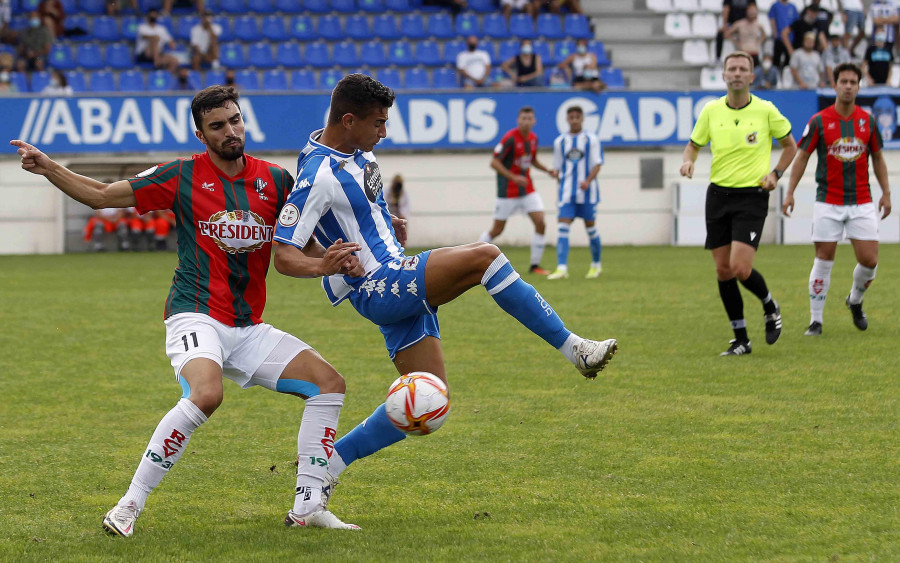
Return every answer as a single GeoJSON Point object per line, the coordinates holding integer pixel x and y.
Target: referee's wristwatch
{"type": "Point", "coordinates": [778, 173]}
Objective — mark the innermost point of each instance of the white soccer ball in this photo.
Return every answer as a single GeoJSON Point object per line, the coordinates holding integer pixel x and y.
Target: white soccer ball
{"type": "Point", "coordinates": [418, 403]}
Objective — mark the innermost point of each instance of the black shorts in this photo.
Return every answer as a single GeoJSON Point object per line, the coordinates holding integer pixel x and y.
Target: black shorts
{"type": "Point", "coordinates": [735, 214]}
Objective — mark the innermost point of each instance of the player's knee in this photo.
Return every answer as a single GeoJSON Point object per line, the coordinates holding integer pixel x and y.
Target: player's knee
{"type": "Point", "coordinates": [206, 398]}
{"type": "Point", "coordinates": [484, 254]}
{"type": "Point", "coordinates": [742, 271]}
{"type": "Point", "coordinates": [334, 383]}
{"type": "Point", "coordinates": [868, 262]}
{"type": "Point", "coordinates": [724, 272]}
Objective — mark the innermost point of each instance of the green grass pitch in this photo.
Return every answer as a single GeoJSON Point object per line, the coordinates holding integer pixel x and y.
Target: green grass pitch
{"type": "Point", "coordinates": [673, 453]}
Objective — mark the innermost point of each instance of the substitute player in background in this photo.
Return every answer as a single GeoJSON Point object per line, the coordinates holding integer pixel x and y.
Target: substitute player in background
{"type": "Point", "coordinates": [226, 204]}
{"type": "Point", "coordinates": [740, 128]}
{"type": "Point", "coordinates": [844, 136]}
{"type": "Point", "coordinates": [577, 156]}
{"type": "Point", "coordinates": [513, 157]}
{"type": "Point", "coordinates": [339, 193]}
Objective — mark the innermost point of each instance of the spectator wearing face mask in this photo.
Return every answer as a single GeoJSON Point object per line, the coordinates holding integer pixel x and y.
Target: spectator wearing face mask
{"type": "Point", "coordinates": [765, 76]}
{"type": "Point", "coordinates": [6, 85]}
{"type": "Point", "coordinates": [823, 22]}
{"type": "Point", "coordinates": [473, 65]}
{"type": "Point", "coordinates": [205, 42]}
{"type": "Point", "coordinates": [582, 69]}
{"type": "Point", "coordinates": [878, 60]}
{"type": "Point", "coordinates": [781, 15]}
{"type": "Point", "coordinates": [231, 79]}
{"type": "Point", "coordinates": [526, 68]}
{"type": "Point", "coordinates": [58, 85]}
{"type": "Point", "coordinates": [152, 39]}
{"type": "Point", "coordinates": [834, 55]}
{"type": "Point", "coordinates": [34, 44]}
{"type": "Point", "coordinates": [886, 16]}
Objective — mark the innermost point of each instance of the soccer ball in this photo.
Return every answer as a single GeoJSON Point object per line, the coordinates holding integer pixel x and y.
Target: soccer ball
{"type": "Point", "coordinates": [417, 403]}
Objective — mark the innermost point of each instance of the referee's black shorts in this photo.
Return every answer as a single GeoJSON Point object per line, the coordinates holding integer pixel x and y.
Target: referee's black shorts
{"type": "Point", "coordinates": [735, 214]}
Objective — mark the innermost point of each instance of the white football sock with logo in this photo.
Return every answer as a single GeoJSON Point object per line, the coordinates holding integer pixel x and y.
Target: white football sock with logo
{"type": "Point", "coordinates": [315, 448]}
{"type": "Point", "coordinates": [168, 442]}
{"type": "Point", "coordinates": [862, 277]}
{"type": "Point", "coordinates": [819, 280]}
{"type": "Point", "coordinates": [537, 249]}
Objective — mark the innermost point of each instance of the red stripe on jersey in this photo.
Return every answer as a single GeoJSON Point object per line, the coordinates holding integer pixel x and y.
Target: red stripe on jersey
{"type": "Point", "coordinates": [516, 153]}
{"type": "Point", "coordinates": [844, 145]}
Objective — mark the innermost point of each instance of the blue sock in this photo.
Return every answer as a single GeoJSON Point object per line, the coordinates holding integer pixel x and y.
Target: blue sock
{"type": "Point", "coordinates": [596, 247]}
{"type": "Point", "coordinates": [562, 245]}
{"type": "Point", "coordinates": [521, 300]}
{"type": "Point", "coordinates": [374, 433]}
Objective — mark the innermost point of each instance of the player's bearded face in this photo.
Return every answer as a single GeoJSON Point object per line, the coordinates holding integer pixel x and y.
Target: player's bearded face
{"type": "Point", "coordinates": [231, 148]}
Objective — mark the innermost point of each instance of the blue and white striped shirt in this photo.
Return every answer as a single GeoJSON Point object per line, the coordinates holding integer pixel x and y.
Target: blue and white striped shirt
{"type": "Point", "coordinates": [575, 156]}
{"type": "Point", "coordinates": [339, 196]}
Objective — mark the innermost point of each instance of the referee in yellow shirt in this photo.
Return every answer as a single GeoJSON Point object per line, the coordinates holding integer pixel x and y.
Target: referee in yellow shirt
{"type": "Point", "coordinates": [740, 128]}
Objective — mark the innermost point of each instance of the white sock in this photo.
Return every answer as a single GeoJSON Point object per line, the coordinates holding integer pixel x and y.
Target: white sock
{"type": "Point", "coordinates": [595, 265]}
{"type": "Point", "coordinates": [165, 448]}
{"type": "Point", "coordinates": [486, 237]}
{"type": "Point", "coordinates": [315, 448]}
{"type": "Point", "coordinates": [819, 281]}
{"type": "Point", "coordinates": [862, 277]}
{"type": "Point", "coordinates": [537, 248]}
{"type": "Point", "coordinates": [568, 347]}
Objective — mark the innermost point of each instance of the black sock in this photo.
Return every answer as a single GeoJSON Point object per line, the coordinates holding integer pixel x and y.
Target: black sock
{"type": "Point", "coordinates": [756, 284]}
{"type": "Point", "coordinates": [734, 307]}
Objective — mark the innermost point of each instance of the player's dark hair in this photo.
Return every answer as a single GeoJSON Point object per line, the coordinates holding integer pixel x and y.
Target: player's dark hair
{"type": "Point", "coordinates": [574, 109]}
{"type": "Point", "coordinates": [526, 109]}
{"type": "Point", "coordinates": [211, 98]}
{"type": "Point", "coordinates": [360, 95]}
{"type": "Point", "coordinates": [847, 67]}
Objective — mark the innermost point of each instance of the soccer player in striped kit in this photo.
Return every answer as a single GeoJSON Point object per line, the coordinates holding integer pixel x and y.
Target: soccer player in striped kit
{"type": "Point", "coordinates": [226, 204]}
{"type": "Point", "coordinates": [844, 136]}
{"type": "Point", "coordinates": [578, 156]}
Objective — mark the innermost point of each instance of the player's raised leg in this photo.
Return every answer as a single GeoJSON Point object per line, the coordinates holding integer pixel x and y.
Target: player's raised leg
{"type": "Point", "coordinates": [494, 232]}
{"type": "Point", "coordinates": [863, 275]}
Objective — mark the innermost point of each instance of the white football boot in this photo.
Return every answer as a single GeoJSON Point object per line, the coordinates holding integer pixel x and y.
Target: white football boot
{"type": "Point", "coordinates": [120, 520]}
{"type": "Point", "coordinates": [592, 356]}
{"type": "Point", "coordinates": [320, 518]}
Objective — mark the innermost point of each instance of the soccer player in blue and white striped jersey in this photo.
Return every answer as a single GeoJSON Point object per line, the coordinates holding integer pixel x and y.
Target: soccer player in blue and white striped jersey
{"type": "Point", "coordinates": [338, 197]}
{"type": "Point", "coordinates": [578, 156]}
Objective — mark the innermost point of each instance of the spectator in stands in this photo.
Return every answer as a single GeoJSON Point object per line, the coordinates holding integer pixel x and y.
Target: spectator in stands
{"type": "Point", "coordinates": [765, 76]}
{"type": "Point", "coordinates": [582, 69]}
{"type": "Point", "coordinates": [473, 65]}
{"type": "Point", "coordinates": [732, 11]}
{"type": "Point", "coordinates": [161, 224]}
{"type": "Point", "coordinates": [806, 63]}
{"type": "Point", "coordinates": [530, 7]}
{"type": "Point", "coordinates": [183, 79]}
{"type": "Point", "coordinates": [886, 15]}
{"type": "Point", "coordinates": [748, 34]}
{"type": "Point", "coordinates": [114, 8]}
{"type": "Point", "coordinates": [526, 68]}
{"type": "Point", "coordinates": [54, 16]}
{"type": "Point", "coordinates": [823, 23]}
{"type": "Point", "coordinates": [793, 36]}
{"type": "Point", "coordinates": [455, 6]}
{"type": "Point", "coordinates": [7, 62]}
{"type": "Point", "coordinates": [105, 221]}
{"type": "Point", "coordinates": [781, 15]}
{"type": "Point", "coordinates": [230, 78]}
{"type": "Point", "coordinates": [58, 85]}
{"type": "Point", "coordinates": [854, 15]}
{"type": "Point", "coordinates": [7, 35]}
{"type": "Point", "coordinates": [152, 39]}
{"type": "Point", "coordinates": [834, 55]}
{"type": "Point", "coordinates": [6, 85]}
{"type": "Point", "coordinates": [396, 198]}
{"type": "Point", "coordinates": [878, 60]}
{"type": "Point", "coordinates": [205, 42]}
{"type": "Point", "coordinates": [34, 44]}
{"type": "Point", "coordinates": [556, 6]}
{"type": "Point", "coordinates": [186, 4]}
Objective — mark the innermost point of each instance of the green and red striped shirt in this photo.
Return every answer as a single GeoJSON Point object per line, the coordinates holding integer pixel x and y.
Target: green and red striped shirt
{"type": "Point", "coordinates": [843, 146]}
{"type": "Point", "coordinates": [224, 226]}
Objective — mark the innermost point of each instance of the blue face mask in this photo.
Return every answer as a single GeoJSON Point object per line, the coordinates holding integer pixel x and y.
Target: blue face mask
{"type": "Point", "coordinates": [34, 22]}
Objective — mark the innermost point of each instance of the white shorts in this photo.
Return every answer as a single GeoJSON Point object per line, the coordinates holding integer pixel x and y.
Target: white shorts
{"type": "Point", "coordinates": [515, 4]}
{"type": "Point", "coordinates": [248, 355]}
{"type": "Point", "coordinates": [508, 206]}
{"type": "Point", "coordinates": [831, 221]}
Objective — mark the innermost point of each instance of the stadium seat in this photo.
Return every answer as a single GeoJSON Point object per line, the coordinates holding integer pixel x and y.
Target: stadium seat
{"type": "Point", "coordinates": [599, 51]}
{"type": "Point", "coordinates": [356, 27]}
{"type": "Point", "coordinates": [224, 22]}
{"type": "Point", "coordinates": [612, 77]}
{"type": "Point", "coordinates": [412, 26]}
{"type": "Point", "coordinates": [288, 55]}
{"type": "Point", "coordinates": [61, 57]}
{"type": "Point", "coordinates": [345, 54]}
{"type": "Point", "coordinates": [77, 28]}
{"type": "Point", "coordinates": [440, 25]}
{"type": "Point", "coordinates": [303, 79]}
{"type": "Point", "coordinates": [247, 80]}
{"type": "Point", "coordinates": [452, 49]}
{"type": "Point", "coordinates": [273, 28]}
{"type": "Point", "coordinates": [214, 77]}
{"type": "Point", "coordinates": [289, 6]}
{"type": "Point", "coordinates": [522, 26]}
{"type": "Point", "coordinates": [329, 78]}
{"type": "Point", "coordinates": [428, 53]}
{"type": "Point", "coordinates": [371, 6]}
{"type": "Point", "coordinates": [695, 52]}
{"type": "Point", "coordinates": [246, 29]}
{"type": "Point", "coordinates": [89, 56]}
{"type": "Point", "coordinates": [19, 80]}
{"type": "Point", "coordinates": [467, 24]}
{"type": "Point", "coordinates": [563, 49]}
{"type": "Point", "coordinates": [317, 55]}
{"type": "Point", "coordinates": [704, 25]}
{"type": "Point", "coordinates": [445, 78]}
{"type": "Point", "coordinates": [260, 55]}
{"type": "Point", "coordinates": [372, 53]}
{"type": "Point", "coordinates": [390, 77]}
{"type": "Point", "coordinates": [39, 81]}
{"type": "Point", "coordinates": [483, 6]}
{"type": "Point", "coordinates": [102, 81]}
{"type": "Point", "coordinates": [316, 6]}
{"type": "Point", "coordinates": [542, 48]}
{"type": "Point", "coordinates": [105, 28]}
{"type": "Point", "coordinates": [715, 6]}
{"type": "Point", "coordinates": [360, 70]}
{"type": "Point", "coordinates": [384, 26]}
{"type": "Point", "coordinates": [274, 80]}
{"type": "Point", "coordinates": [301, 28]}
{"type": "Point", "coordinates": [183, 27]}
{"type": "Point", "coordinates": [497, 76]}
{"type": "Point", "coordinates": [118, 56]}
{"type": "Point", "coordinates": [577, 26]}
{"type": "Point", "coordinates": [417, 79]}
{"type": "Point", "coordinates": [232, 6]}
{"type": "Point", "coordinates": [685, 5]}
{"type": "Point", "coordinates": [76, 81]}
{"type": "Point", "coordinates": [494, 25]}
{"type": "Point", "coordinates": [488, 47]}
{"type": "Point", "coordinates": [29, 5]}
{"type": "Point", "coordinates": [711, 79]}
{"type": "Point", "coordinates": [90, 7]}
{"type": "Point", "coordinates": [329, 28]}
{"type": "Point", "coordinates": [660, 5]}
{"type": "Point", "coordinates": [145, 6]}
{"type": "Point", "coordinates": [343, 6]}
{"type": "Point", "coordinates": [261, 6]}
{"type": "Point", "coordinates": [131, 81]}
{"type": "Point", "coordinates": [195, 83]}
{"type": "Point", "coordinates": [397, 5]}
{"type": "Point", "coordinates": [508, 49]}
{"type": "Point", "coordinates": [160, 81]}
{"type": "Point", "coordinates": [400, 54]}
{"type": "Point", "coordinates": [549, 26]}
{"type": "Point", "coordinates": [677, 25]}
{"type": "Point", "coordinates": [231, 55]}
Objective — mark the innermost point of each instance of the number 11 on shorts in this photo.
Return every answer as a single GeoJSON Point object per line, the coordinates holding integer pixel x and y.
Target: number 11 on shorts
{"type": "Point", "coordinates": [184, 340]}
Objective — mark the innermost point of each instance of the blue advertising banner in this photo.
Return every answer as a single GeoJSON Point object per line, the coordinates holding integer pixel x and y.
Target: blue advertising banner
{"type": "Point", "coordinates": [282, 122]}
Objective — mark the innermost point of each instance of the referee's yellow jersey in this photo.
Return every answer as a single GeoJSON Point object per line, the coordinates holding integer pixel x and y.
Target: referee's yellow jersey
{"type": "Point", "coordinates": [740, 140]}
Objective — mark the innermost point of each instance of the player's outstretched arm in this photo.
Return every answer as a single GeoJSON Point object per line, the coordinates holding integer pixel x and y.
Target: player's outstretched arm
{"type": "Point", "coordinates": [880, 167]}
{"type": "Point", "coordinates": [88, 191]}
{"type": "Point", "coordinates": [336, 259]}
{"type": "Point", "coordinates": [797, 171]}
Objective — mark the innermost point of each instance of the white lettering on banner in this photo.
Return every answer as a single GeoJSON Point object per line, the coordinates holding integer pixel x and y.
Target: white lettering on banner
{"type": "Point", "coordinates": [251, 124]}
{"type": "Point", "coordinates": [457, 126]}
{"type": "Point", "coordinates": [176, 124]}
{"type": "Point", "coordinates": [430, 121]}
{"type": "Point", "coordinates": [60, 122]}
{"type": "Point", "coordinates": [130, 121]}
{"type": "Point", "coordinates": [617, 121]}
{"type": "Point", "coordinates": [95, 126]}
{"type": "Point", "coordinates": [29, 119]}
{"type": "Point", "coordinates": [427, 121]}
{"type": "Point", "coordinates": [395, 128]}
{"type": "Point", "coordinates": [591, 117]}
{"type": "Point", "coordinates": [656, 118]}
{"type": "Point", "coordinates": [483, 126]}
{"type": "Point", "coordinates": [685, 118]}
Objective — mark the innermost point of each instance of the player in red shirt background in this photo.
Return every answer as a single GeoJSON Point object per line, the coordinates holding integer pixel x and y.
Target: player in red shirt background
{"type": "Point", "coordinates": [844, 136]}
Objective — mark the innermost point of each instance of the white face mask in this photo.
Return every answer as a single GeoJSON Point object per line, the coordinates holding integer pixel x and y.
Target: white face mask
{"type": "Point", "coordinates": [4, 76]}
{"type": "Point", "coordinates": [527, 50]}
{"type": "Point", "coordinates": [766, 64]}
{"type": "Point", "coordinates": [582, 49]}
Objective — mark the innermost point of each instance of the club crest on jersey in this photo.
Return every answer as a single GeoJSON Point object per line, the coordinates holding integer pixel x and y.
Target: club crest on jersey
{"type": "Point", "coordinates": [847, 149]}
{"type": "Point", "coordinates": [752, 138]}
{"type": "Point", "coordinates": [372, 181]}
{"type": "Point", "coordinates": [575, 154]}
{"type": "Point", "coordinates": [237, 231]}
{"type": "Point", "coordinates": [260, 186]}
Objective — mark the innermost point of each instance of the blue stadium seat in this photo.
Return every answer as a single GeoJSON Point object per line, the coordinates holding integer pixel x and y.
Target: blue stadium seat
{"type": "Point", "coordinates": [131, 81]}
{"type": "Point", "coordinates": [61, 57]}
{"type": "Point", "coordinates": [488, 47]}
{"type": "Point", "coordinates": [549, 26]}
{"type": "Point", "coordinates": [69, 6]}
{"type": "Point", "coordinates": [400, 54]}
{"type": "Point", "coordinates": [316, 6]}
{"type": "Point", "coordinates": [7, 49]}
{"type": "Point", "coordinates": [345, 54]}
{"type": "Point", "coordinates": [372, 54]}
{"type": "Point", "coordinates": [18, 23]}
{"type": "Point", "coordinates": [522, 26]}
{"type": "Point", "coordinates": [467, 24]}
{"type": "Point", "coordinates": [93, 7]}
{"type": "Point", "coordinates": [412, 26]}
{"type": "Point", "coordinates": [76, 24]}
{"type": "Point", "coordinates": [106, 28]}
{"type": "Point", "coordinates": [247, 80]}
{"type": "Point", "coordinates": [599, 50]}
{"type": "Point", "coordinates": [329, 78]}
{"type": "Point", "coordinates": [329, 28]}
{"type": "Point", "coordinates": [542, 48]}
{"type": "Point", "coordinates": [497, 75]}
{"type": "Point", "coordinates": [233, 6]}
{"type": "Point", "coordinates": [89, 56]}
{"type": "Point", "coordinates": [129, 27]}
{"type": "Point", "coordinates": [273, 28]}
{"type": "Point", "coordinates": [562, 49]}
{"type": "Point", "coordinates": [446, 78]}
{"type": "Point", "coordinates": [483, 6]}
{"type": "Point", "coordinates": [301, 28]}
{"type": "Point", "coordinates": [145, 6]}
{"type": "Point", "coordinates": [183, 27]}
{"type": "Point", "coordinates": [261, 6]}
{"type": "Point", "coordinates": [288, 55]}
{"type": "Point", "coordinates": [160, 81]}
{"type": "Point", "coordinates": [39, 81]}
{"type": "Point", "coordinates": [29, 5]}
{"type": "Point", "coordinates": [260, 55]}
{"type": "Point", "coordinates": [303, 79]}
{"type": "Point", "coordinates": [428, 53]}
{"type": "Point", "coordinates": [289, 6]}
{"type": "Point", "coordinates": [231, 55]}
{"type": "Point", "coordinates": [397, 5]}
{"type": "Point", "coordinates": [453, 48]}
{"type": "Point", "coordinates": [194, 81]}
{"type": "Point", "coordinates": [246, 29]}
{"type": "Point", "coordinates": [390, 77]}
{"type": "Point", "coordinates": [384, 26]}
{"type": "Point", "coordinates": [19, 80]}
{"type": "Point", "coordinates": [102, 81]}
{"type": "Point", "coordinates": [343, 6]}
{"type": "Point", "coordinates": [365, 71]}
{"type": "Point", "coordinates": [417, 79]}
{"type": "Point", "coordinates": [494, 25]}
{"type": "Point", "coordinates": [224, 22]}
{"type": "Point", "coordinates": [274, 79]}
{"type": "Point", "coordinates": [577, 26]}
{"type": "Point", "coordinates": [371, 6]}
{"type": "Point", "coordinates": [214, 77]}
{"type": "Point", "coordinates": [612, 77]}
{"type": "Point", "coordinates": [118, 56]}
{"type": "Point", "coordinates": [508, 49]}
{"type": "Point", "coordinates": [440, 25]}
{"type": "Point", "coordinates": [317, 55]}
{"type": "Point", "coordinates": [357, 27]}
